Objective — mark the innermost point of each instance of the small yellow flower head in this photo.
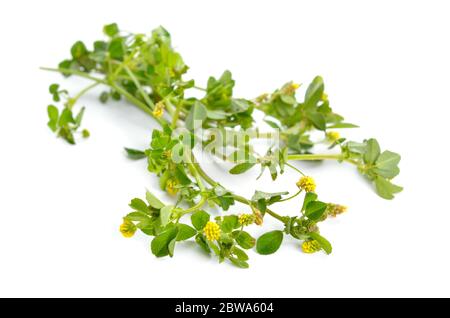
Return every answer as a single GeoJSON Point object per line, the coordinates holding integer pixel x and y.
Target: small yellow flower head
{"type": "Point", "coordinates": [127, 228]}
{"type": "Point", "coordinates": [290, 88]}
{"type": "Point", "coordinates": [335, 209]}
{"type": "Point", "coordinates": [311, 246]}
{"type": "Point", "coordinates": [246, 219]}
{"type": "Point", "coordinates": [212, 231]}
{"type": "Point", "coordinates": [307, 183]}
{"type": "Point", "coordinates": [324, 97]}
{"type": "Point", "coordinates": [333, 136]}
{"type": "Point", "coordinates": [171, 186]}
{"type": "Point", "coordinates": [295, 86]}
{"type": "Point", "coordinates": [158, 112]}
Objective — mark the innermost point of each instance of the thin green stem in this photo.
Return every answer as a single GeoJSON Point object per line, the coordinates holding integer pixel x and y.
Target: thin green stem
{"type": "Point", "coordinates": [268, 211]}
{"type": "Point", "coordinates": [291, 197]}
{"type": "Point", "coordinates": [82, 92]}
{"type": "Point", "coordinates": [137, 102]}
{"type": "Point", "coordinates": [139, 87]}
{"type": "Point", "coordinates": [176, 115]}
{"type": "Point", "coordinates": [195, 207]}
{"type": "Point", "coordinates": [199, 88]}
{"type": "Point", "coordinates": [74, 72]}
{"type": "Point", "coordinates": [294, 168]}
{"type": "Point", "coordinates": [315, 157]}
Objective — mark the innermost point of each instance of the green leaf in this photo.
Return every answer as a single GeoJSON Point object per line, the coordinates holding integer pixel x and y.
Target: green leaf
{"type": "Point", "coordinates": [240, 254]}
{"type": "Point", "coordinates": [238, 262]}
{"type": "Point", "coordinates": [315, 209]}
{"type": "Point", "coordinates": [288, 99]}
{"type": "Point", "coordinates": [343, 125]}
{"type": "Point", "coordinates": [185, 232]}
{"type": "Point", "coordinates": [309, 197]}
{"type": "Point", "coordinates": [53, 115]}
{"type": "Point", "coordinates": [267, 196]}
{"type": "Point", "coordinates": [165, 213]}
{"type": "Point", "coordinates": [386, 189]}
{"type": "Point", "coordinates": [244, 239]}
{"type": "Point", "coordinates": [139, 205]}
{"type": "Point", "coordinates": [356, 147]}
{"type": "Point", "coordinates": [199, 219]}
{"type": "Point", "coordinates": [135, 154]}
{"type": "Point", "coordinates": [317, 119]}
{"type": "Point", "coordinates": [111, 29]}
{"type": "Point", "coordinates": [196, 116]}
{"type": "Point", "coordinates": [116, 49]}
{"type": "Point", "coordinates": [153, 201]}
{"type": "Point", "coordinates": [53, 88]}
{"type": "Point", "coordinates": [229, 223]}
{"type": "Point", "coordinates": [386, 164]}
{"type": "Point", "coordinates": [372, 151]}
{"type": "Point", "coordinates": [66, 117]}
{"type": "Point", "coordinates": [171, 247]}
{"type": "Point", "coordinates": [239, 105]}
{"type": "Point", "coordinates": [314, 92]}
{"type": "Point", "coordinates": [78, 50]}
{"type": "Point", "coordinates": [326, 246]}
{"type": "Point", "coordinates": [241, 167]}
{"type": "Point", "coordinates": [269, 242]}
{"type": "Point", "coordinates": [160, 244]}
{"type": "Point", "coordinates": [137, 217]}
{"type": "Point", "coordinates": [79, 117]}
{"type": "Point", "coordinates": [217, 114]}
{"type": "Point", "coordinates": [104, 97]}
{"type": "Point", "coordinates": [203, 243]}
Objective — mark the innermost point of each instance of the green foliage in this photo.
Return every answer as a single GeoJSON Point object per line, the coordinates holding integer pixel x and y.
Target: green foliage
{"type": "Point", "coordinates": [379, 167]}
{"type": "Point", "coordinates": [148, 72]}
{"type": "Point", "coordinates": [269, 242]}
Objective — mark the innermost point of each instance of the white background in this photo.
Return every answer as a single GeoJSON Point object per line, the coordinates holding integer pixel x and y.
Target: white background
{"type": "Point", "coordinates": [386, 66]}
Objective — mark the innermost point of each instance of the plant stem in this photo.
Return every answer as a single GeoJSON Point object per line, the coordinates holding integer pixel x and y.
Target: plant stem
{"type": "Point", "coordinates": [176, 115]}
{"type": "Point", "coordinates": [315, 157]}
{"type": "Point", "coordinates": [137, 102]}
{"type": "Point", "coordinates": [291, 197]}
{"type": "Point", "coordinates": [74, 72]}
{"type": "Point", "coordinates": [268, 211]}
{"type": "Point", "coordinates": [139, 87]}
{"type": "Point", "coordinates": [82, 92]}
{"type": "Point", "coordinates": [195, 207]}
{"type": "Point", "coordinates": [295, 168]}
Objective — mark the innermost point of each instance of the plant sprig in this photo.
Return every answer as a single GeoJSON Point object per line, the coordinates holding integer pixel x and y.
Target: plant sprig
{"type": "Point", "coordinates": [149, 73]}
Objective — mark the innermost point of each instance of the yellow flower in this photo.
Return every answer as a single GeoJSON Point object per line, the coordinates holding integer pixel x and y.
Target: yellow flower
{"type": "Point", "coordinates": [212, 231]}
{"type": "Point", "coordinates": [311, 246]}
{"type": "Point", "coordinates": [246, 219]}
{"type": "Point", "coordinates": [127, 228]}
{"type": "Point", "coordinates": [295, 86]}
{"type": "Point", "coordinates": [158, 112]}
{"type": "Point", "coordinates": [307, 183]}
{"type": "Point", "coordinates": [335, 209]}
{"type": "Point", "coordinates": [290, 88]}
{"type": "Point", "coordinates": [333, 136]}
{"type": "Point", "coordinates": [171, 186]}
{"type": "Point", "coordinates": [324, 97]}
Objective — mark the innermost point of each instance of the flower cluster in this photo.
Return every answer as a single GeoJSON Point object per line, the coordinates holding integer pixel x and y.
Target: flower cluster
{"type": "Point", "coordinates": [307, 184]}
{"type": "Point", "coordinates": [212, 231]}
